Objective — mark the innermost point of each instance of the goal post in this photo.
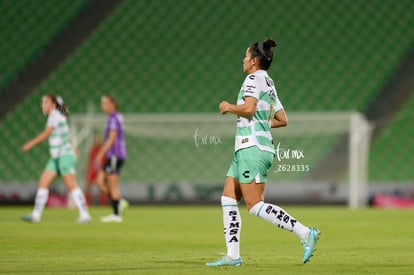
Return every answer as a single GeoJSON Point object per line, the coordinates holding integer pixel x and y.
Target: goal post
{"type": "Point", "coordinates": [321, 157]}
{"type": "Point", "coordinates": [360, 137]}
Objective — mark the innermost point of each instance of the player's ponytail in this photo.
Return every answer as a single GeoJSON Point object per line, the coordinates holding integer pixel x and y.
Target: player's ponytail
{"type": "Point", "coordinates": [60, 105]}
{"type": "Point", "coordinates": [264, 52]}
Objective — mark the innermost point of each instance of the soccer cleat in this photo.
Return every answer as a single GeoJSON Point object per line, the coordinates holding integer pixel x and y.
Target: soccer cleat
{"type": "Point", "coordinates": [309, 244]}
{"type": "Point", "coordinates": [111, 218]}
{"type": "Point", "coordinates": [82, 220]}
{"type": "Point", "coordinates": [29, 218]}
{"type": "Point", "coordinates": [123, 205]}
{"type": "Point", "coordinates": [226, 261]}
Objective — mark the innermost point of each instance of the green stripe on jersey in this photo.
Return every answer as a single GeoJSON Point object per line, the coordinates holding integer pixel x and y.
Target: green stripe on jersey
{"type": "Point", "coordinates": [264, 141]}
{"type": "Point", "coordinates": [262, 115]}
{"type": "Point", "coordinates": [264, 127]}
{"type": "Point", "coordinates": [267, 98]}
{"type": "Point", "coordinates": [244, 131]}
{"type": "Point", "coordinates": [62, 135]}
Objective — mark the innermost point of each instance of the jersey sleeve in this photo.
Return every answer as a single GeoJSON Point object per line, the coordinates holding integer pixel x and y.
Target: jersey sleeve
{"type": "Point", "coordinates": [112, 123]}
{"type": "Point", "coordinates": [251, 86]}
{"type": "Point", "coordinates": [52, 120]}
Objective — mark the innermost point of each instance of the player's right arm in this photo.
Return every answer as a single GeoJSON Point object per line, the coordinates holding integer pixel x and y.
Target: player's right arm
{"type": "Point", "coordinates": [251, 97]}
{"type": "Point", "coordinates": [247, 109]}
{"type": "Point", "coordinates": [41, 137]}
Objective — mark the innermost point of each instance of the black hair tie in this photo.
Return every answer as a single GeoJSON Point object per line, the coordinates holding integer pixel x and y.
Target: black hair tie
{"type": "Point", "coordinates": [262, 51]}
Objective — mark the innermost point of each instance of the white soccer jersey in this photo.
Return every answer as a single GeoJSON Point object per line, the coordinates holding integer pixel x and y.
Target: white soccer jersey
{"type": "Point", "coordinates": [59, 144]}
{"type": "Point", "coordinates": [256, 131]}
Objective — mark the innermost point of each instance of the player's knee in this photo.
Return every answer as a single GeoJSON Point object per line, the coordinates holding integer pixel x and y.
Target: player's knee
{"type": "Point", "coordinates": [255, 209]}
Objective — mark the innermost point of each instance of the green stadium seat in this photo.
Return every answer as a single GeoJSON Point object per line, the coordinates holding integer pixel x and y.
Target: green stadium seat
{"type": "Point", "coordinates": [26, 27]}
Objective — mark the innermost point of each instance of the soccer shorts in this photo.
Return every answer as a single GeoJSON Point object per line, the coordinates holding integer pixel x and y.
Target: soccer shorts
{"type": "Point", "coordinates": [113, 165]}
{"type": "Point", "coordinates": [250, 164]}
{"type": "Point", "coordinates": [62, 165]}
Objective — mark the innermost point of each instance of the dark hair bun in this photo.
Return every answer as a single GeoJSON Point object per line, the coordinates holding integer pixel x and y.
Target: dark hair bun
{"type": "Point", "coordinates": [269, 43]}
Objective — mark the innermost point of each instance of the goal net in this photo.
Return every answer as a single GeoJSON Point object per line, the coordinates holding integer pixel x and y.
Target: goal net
{"type": "Point", "coordinates": [183, 157]}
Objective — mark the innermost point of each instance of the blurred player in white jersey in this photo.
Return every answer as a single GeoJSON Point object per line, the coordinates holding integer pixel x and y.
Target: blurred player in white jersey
{"type": "Point", "coordinates": [258, 109]}
{"type": "Point", "coordinates": [62, 161]}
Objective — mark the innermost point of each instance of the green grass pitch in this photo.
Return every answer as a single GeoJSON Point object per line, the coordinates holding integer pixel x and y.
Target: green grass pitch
{"type": "Point", "coordinates": [179, 240]}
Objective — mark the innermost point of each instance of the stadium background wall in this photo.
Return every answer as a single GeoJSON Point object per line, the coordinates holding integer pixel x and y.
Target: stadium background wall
{"type": "Point", "coordinates": [185, 56]}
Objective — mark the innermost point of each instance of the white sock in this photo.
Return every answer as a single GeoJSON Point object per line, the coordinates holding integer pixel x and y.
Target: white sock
{"type": "Point", "coordinates": [80, 202]}
{"type": "Point", "coordinates": [40, 201]}
{"type": "Point", "coordinates": [232, 226]}
{"type": "Point", "coordinates": [279, 217]}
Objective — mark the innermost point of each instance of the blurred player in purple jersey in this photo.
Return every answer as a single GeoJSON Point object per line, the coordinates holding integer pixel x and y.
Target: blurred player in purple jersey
{"type": "Point", "coordinates": [114, 151]}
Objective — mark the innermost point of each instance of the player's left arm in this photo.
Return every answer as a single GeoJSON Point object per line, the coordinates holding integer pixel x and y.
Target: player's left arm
{"type": "Point", "coordinates": [38, 139]}
{"type": "Point", "coordinates": [279, 119]}
{"type": "Point", "coordinates": [247, 109]}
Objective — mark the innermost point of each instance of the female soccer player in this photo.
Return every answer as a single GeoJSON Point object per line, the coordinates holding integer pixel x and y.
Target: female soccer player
{"type": "Point", "coordinates": [115, 151]}
{"type": "Point", "coordinates": [62, 161]}
{"type": "Point", "coordinates": [258, 110]}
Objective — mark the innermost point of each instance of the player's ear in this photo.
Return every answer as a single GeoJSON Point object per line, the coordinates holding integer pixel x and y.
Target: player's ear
{"type": "Point", "coordinates": [255, 60]}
